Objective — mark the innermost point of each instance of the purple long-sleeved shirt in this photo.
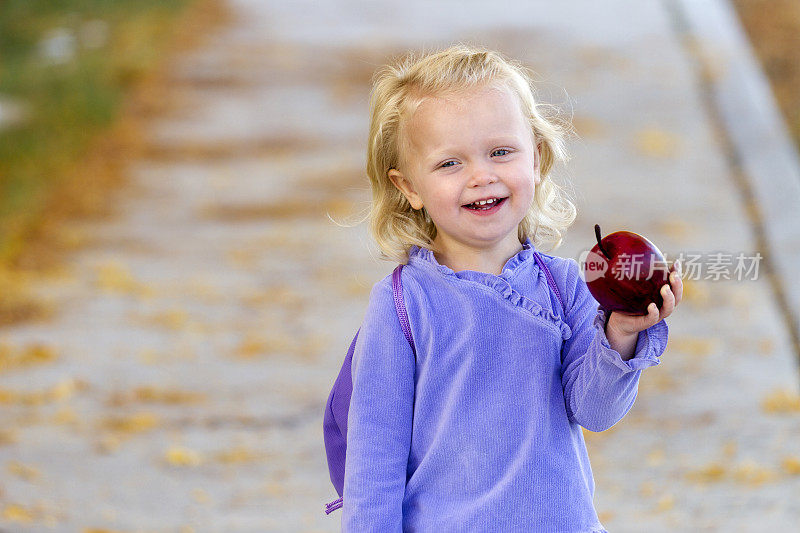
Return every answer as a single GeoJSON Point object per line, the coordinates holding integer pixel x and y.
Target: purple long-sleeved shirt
{"type": "Point", "coordinates": [483, 431]}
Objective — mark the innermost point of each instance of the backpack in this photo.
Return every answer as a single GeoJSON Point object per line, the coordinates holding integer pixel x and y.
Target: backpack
{"type": "Point", "coordinates": [335, 421]}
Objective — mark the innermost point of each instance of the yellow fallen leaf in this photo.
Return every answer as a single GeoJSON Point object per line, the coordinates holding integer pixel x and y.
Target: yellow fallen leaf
{"type": "Point", "coordinates": [275, 489]}
{"type": "Point", "coordinates": [338, 207]}
{"type": "Point", "coordinates": [65, 415]}
{"type": "Point", "coordinates": [707, 474]}
{"type": "Point", "coordinates": [201, 496]}
{"type": "Point", "coordinates": [665, 503]}
{"type": "Point", "coordinates": [715, 62]}
{"type": "Point", "coordinates": [238, 454]}
{"type": "Point", "coordinates": [282, 295]}
{"type": "Point", "coordinates": [674, 228]}
{"type": "Point", "coordinates": [655, 457]}
{"type": "Point", "coordinates": [167, 396]}
{"type": "Point", "coordinates": [588, 126]}
{"type": "Point", "coordinates": [72, 237]}
{"type": "Point", "coordinates": [660, 381]}
{"type": "Point", "coordinates": [694, 346]}
{"type": "Point", "coordinates": [174, 319]}
{"type": "Point", "coordinates": [246, 258]}
{"type": "Point", "coordinates": [34, 354]}
{"type": "Point", "coordinates": [251, 347]}
{"type": "Point", "coordinates": [265, 344]}
{"type": "Point", "coordinates": [752, 473]}
{"type": "Point", "coordinates": [202, 289]}
{"type": "Point", "coordinates": [108, 443]}
{"type": "Point", "coordinates": [656, 143]}
{"type": "Point", "coordinates": [781, 401]}
{"type": "Point", "coordinates": [753, 209]}
{"type": "Point", "coordinates": [17, 513]}
{"type": "Point", "coordinates": [113, 276]}
{"type": "Point", "coordinates": [313, 344]}
{"type": "Point", "coordinates": [8, 436]}
{"type": "Point", "coordinates": [696, 293]}
{"type": "Point", "coordinates": [150, 394]}
{"type": "Point", "coordinates": [23, 471]}
{"type": "Point", "coordinates": [355, 287]}
{"type": "Point", "coordinates": [766, 346]}
{"type": "Point", "coordinates": [149, 356]}
{"type": "Point", "coordinates": [8, 397]}
{"type": "Point", "coordinates": [182, 456]}
{"type": "Point", "coordinates": [64, 389]}
{"type": "Point", "coordinates": [136, 423]}
{"type": "Point", "coordinates": [729, 449]}
{"type": "Point", "coordinates": [61, 391]}
{"type": "Point", "coordinates": [597, 58]}
{"type": "Point", "coordinates": [791, 465]}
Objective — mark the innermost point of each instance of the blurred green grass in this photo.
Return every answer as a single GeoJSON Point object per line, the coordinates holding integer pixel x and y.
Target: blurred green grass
{"type": "Point", "coordinates": [67, 102]}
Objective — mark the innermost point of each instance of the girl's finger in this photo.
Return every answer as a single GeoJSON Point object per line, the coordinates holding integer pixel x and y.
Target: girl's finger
{"type": "Point", "coordinates": [642, 322]}
{"type": "Point", "coordinates": [651, 318]}
{"type": "Point", "coordinates": [669, 297]}
{"type": "Point", "coordinates": [637, 323]}
{"type": "Point", "coordinates": [677, 287]}
{"type": "Point", "coordinates": [669, 301]}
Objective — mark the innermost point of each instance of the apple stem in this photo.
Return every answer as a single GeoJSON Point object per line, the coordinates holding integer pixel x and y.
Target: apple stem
{"type": "Point", "coordinates": [599, 244]}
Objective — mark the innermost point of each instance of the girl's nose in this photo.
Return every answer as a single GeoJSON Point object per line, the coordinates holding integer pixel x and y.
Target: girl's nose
{"type": "Point", "coordinates": [482, 175]}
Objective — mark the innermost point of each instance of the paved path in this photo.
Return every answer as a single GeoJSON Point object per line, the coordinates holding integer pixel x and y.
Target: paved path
{"type": "Point", "coordinates": [197, 334]}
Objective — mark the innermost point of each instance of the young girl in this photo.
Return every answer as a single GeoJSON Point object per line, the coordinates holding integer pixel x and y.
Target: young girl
{"type": "Point", "coordinates": [479, 428]}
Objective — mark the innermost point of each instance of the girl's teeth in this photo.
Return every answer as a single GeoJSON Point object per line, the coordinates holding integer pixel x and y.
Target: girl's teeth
{"type": "Point", "coordinates": [484, 204]}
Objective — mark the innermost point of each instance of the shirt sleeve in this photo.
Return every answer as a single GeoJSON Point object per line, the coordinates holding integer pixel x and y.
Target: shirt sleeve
{"type": "Point", "coordinates": [379, 420]}
{"type": "Point", "coordinates": [599, 387]}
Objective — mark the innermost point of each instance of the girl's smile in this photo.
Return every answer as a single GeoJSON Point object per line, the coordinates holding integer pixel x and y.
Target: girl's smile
{"type": "Point", "coordinates": [485, 207]}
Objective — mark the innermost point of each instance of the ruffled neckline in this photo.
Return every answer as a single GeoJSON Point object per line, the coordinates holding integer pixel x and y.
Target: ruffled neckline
{"type": "Point", "coordinates": [522, 256]}
{"type": "Point", "coordinates": [499, 283]}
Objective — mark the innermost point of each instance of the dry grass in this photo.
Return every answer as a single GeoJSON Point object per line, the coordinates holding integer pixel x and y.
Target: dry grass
{"type": "Point", "coordinates": [773, 27]}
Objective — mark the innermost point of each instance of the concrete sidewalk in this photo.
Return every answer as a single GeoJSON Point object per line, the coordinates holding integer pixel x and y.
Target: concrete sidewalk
{"type": "Point", "coordinates": [198, 333]}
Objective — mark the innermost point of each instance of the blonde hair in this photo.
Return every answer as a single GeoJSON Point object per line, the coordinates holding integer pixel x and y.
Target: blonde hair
{"type": "Point", "coordinates": [396, 93]}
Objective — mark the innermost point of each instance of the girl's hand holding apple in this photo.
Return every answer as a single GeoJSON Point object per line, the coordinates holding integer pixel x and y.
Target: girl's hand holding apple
{"type": "Point", "coordinates": [622, 329]}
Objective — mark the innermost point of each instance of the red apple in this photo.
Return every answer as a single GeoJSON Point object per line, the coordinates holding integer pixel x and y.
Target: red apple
{"type": "Point", "coordinates": [625, 272]}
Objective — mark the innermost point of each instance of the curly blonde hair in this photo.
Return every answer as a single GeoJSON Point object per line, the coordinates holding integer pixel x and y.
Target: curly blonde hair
{"type": "Point", "coordinates": [398, 90]}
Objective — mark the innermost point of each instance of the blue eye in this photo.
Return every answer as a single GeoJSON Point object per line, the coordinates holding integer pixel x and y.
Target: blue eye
{"type": "Point", "coordinates": [449, 164]}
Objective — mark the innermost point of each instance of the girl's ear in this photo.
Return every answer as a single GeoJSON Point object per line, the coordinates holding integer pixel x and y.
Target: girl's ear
{"type": "Point", "coordinates": [406, 187]}
{"type": "Point", "coordinates": [537, 163]}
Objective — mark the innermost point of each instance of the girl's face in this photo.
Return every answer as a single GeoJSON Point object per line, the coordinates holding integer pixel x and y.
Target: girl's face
{"type": "Point", "coordinates": [462, 149]}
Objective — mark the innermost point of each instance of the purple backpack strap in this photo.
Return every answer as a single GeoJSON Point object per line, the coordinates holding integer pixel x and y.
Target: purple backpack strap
{"type": "Point", "coordinates": [399, 303]}
{"type": "Point", "coordinates": [550, 279]}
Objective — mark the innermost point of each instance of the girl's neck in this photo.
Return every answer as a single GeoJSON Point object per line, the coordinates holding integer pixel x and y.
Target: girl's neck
{"type": "Point", "coordinates": [460, 257]}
